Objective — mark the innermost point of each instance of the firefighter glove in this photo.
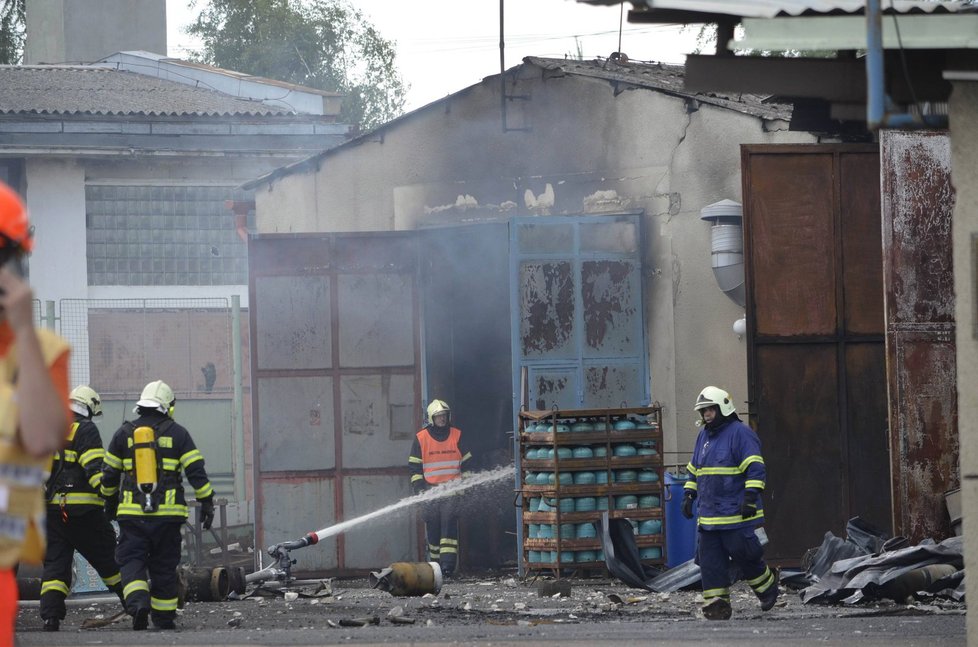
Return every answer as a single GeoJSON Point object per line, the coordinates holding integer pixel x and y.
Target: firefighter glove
{"type": "Point", "coordinates": [419, 486]}
{"type": "Point", "coordinates": [687, 507]}
{"type": "Point", "coordinates": [111, 507]}
{"type": "Point", "coordinates": [749, 509]}
{"type": "Point", "coordinates": [206, 512]}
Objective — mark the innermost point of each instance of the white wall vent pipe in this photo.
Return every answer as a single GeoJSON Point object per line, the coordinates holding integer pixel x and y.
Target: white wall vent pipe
{"type": "Point", "coordinates": [727, 244]}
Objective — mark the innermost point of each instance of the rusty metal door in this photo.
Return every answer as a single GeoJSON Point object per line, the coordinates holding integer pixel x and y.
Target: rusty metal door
{"type": "Point", "coordinates": [918, 199]}
{"type": "Point", "coordinates": [816, 359]}
{"type": "Point", "coordinates": [578, 324]}
{"type": "Point", "coordinates": [336, 374]}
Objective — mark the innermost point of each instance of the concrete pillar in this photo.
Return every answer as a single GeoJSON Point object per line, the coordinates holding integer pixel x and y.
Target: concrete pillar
{"type": "Point", "coordinates": [964, 176]}
{"type": "Point", "coordinates": [84, 31]}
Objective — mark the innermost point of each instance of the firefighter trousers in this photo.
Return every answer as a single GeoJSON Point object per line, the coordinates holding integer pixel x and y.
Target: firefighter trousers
{"type": "Point", "coordinates": [716, 551]}
{"type": "Point", "coordinates": [441, 529]}
{"type": "Point", "coordinates": [89, 533]}
{"type": "Point", "coordinates": [148, 556]}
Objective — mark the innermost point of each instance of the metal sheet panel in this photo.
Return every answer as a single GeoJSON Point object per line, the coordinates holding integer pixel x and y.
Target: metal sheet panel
{"type": "Point", "coordinates": [293, 314]}
{"type": "Point", "coordinates": [379, 420]}
{"type": "Point", "coordinates": [386, 539]}
{"type": "Point", "coordinates": [918, 201]}
{"type": "Point", "coordinates": [296, 424]}
{"type": "Point", "coordinates": [382, 334]}
{"type": "Point", "coordinates": [802, 444]}
{"type": "Point", "coordinates": [868, 440]}
{"type": "Point", "coordinates": [605, 384]}
{"type": "Point", "coordinates": [290, 508]}
{"type": "Point", "coordinates": [861, 250]}
{"type": "Point", "coordinates": [611, 294]}
{"type": "Point", "coordinates": [790, 199]}
{"type": "Point", "coordinates": [554, 387]}
{"type": "Point", "coordinates": [547, 293]}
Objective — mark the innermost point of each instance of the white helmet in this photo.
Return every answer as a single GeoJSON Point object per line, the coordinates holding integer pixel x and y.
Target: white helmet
{"type": "Point", "coordinates": [437, 407]}
{"type": "Point", "coordinates": [85, 401]}
{"type": "Point", "coordinates": [157, 395]}
{"type": "Point", "coordinates": [711, 396]}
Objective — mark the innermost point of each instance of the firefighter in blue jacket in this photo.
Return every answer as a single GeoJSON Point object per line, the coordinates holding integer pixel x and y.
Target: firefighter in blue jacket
{"type": "Point", "coordinates": [143, 477]}
{"type": "Point", "coordinates": [75, 519]}
{"type": "Point", "coordinates": [726, 476]}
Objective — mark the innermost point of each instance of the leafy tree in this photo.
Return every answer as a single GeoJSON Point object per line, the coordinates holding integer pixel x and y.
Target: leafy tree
{"type": "Point", "coordinates": [12, 23]}
{"type": "Point", "coordinates": [325, 44]}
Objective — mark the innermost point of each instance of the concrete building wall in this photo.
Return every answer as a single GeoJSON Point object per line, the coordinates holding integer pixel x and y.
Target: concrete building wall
{"type": "Point", "coordinates": [964, 175]}
{"type": "Point", "coordinates": [84, 31]}
{"type": "Point", "coordinates": [586, 151]}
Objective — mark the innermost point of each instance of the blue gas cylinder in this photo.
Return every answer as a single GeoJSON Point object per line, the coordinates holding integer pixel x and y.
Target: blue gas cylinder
{"type": "Point", "coordinates": [680, 531]}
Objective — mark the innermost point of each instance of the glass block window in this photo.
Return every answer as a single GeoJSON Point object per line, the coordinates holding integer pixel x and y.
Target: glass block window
{"type": "Point", "coordinates": [164, 235]}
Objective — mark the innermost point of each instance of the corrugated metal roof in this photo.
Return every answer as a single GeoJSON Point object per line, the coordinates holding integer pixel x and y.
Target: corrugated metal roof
{"type": "Point", "coordinates": [772, 8]}
{"type": "Point", "coordinates": [60, 90]}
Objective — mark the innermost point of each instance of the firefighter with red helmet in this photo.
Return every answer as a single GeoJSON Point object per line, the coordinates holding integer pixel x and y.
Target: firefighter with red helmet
{"type": "Point", "coordinates": [33, 409]}
{"type": "Point", "coordinates": [437, 456]}
{"type": "Point", "coordinates": [143, 475]}
{"type": "Point", "coordinates": [75, 516]}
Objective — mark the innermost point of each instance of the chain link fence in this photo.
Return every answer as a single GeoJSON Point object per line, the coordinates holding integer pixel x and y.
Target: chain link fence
{"type": "Point", "coordinates": [120, 345]}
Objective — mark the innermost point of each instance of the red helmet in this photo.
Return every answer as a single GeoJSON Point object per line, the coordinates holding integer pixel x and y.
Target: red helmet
{"type": "Point", "coordinates": [15, 228]}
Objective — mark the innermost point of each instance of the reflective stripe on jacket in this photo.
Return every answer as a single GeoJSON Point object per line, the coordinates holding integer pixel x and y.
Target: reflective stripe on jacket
{"type": "Point", "coordinates": [441, 460]}
{"type": "Point", "coordinates": [726, 462]}
{"type": "Point", "coordinates": [76, 472]}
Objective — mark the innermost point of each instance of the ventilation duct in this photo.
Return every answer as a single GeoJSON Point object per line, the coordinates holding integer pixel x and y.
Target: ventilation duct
{"type": "Point", "coordinates": [727, 245]}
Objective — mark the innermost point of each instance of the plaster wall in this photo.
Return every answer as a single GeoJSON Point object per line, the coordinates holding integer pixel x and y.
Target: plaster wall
{"type": "Point", "coordinates": [964, 176]}
{"type": "Point", "coordinates": [584, 151]}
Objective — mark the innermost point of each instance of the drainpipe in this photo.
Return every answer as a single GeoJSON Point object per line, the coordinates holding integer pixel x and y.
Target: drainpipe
{"type": "Point", "coordinates": [876, 99]}
{"type": "Point", "coordinates": [237, 404]}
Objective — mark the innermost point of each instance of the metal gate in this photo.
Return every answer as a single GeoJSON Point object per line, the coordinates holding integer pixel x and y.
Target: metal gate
{"type": "Point", "coordinates": [816, 356]}
{"type": "Point", "coordinates": [337, 375]}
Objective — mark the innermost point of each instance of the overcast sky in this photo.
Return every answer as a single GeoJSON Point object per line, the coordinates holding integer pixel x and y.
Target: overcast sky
{"type": "Point", "coordinates": [446, 45]}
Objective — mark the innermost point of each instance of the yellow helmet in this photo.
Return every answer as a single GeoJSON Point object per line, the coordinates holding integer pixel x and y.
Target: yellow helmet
{"type": "Point", "coordinates": [711, 396]}
{"type": "Point", "coordinates": [85, 401]}
{"type": "Point", "coordinates": [157, 395]}
{"type": "Point", "coordinates": [437, 407]}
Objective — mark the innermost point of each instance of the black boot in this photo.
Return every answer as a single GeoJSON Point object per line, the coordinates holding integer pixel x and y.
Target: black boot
{"type": "Point", "coordinates": [769, 598]}
{"type": "Point", "coordinates": [140, 621]}
{"type": "Point", "coordinates": [52, 624]}
{"type": "Point", "coordinates": [717, 609]}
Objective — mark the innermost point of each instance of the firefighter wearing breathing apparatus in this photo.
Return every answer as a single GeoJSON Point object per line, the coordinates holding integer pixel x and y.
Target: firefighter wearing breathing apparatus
{"type": "Point", "coordinates": [143, 477]}
{"type": "Point", "coordinates": [726, 477]}
{"type": "Point", "coordinates": [75, 517]}
{"type": "Point", "coordinates": [437, 456]}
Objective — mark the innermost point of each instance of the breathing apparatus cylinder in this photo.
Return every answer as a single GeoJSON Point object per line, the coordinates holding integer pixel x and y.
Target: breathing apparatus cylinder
{"type": "Point", "coordinates": [144, 450]}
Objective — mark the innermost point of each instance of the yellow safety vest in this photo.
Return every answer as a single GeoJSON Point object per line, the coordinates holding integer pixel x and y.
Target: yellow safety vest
{"type": "Point", "coordinates": [22, 476]}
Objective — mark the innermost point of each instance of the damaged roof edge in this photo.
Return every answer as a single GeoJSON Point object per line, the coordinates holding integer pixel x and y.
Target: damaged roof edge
{"type": "Point", "coordinates": [636, 75]}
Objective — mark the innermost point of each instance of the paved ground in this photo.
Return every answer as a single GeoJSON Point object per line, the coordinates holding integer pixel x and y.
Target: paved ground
{"type": "Point", "coordinates": [507, 611]}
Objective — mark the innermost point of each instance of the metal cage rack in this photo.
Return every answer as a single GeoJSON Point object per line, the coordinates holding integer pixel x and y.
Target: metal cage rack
{"type": "Point", "coordinates": [575, 464]}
